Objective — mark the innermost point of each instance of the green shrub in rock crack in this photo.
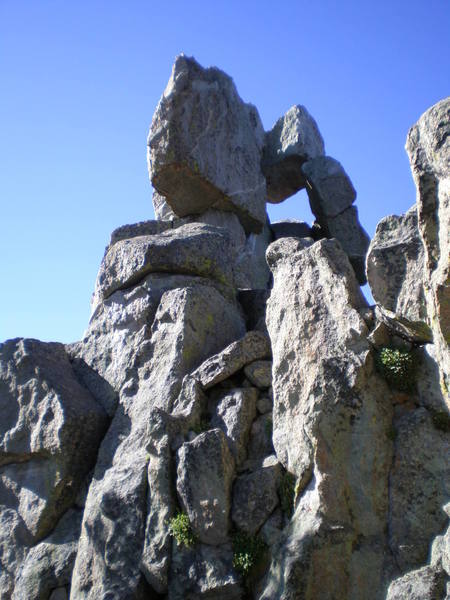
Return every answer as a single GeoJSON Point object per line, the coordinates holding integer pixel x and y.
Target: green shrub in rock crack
{"type": "Point", "coordinates": [398, 367]}
{"type": "Point", "coordinates": [247, 552]}
{"type": "Point", "coordinates": [180, 528]}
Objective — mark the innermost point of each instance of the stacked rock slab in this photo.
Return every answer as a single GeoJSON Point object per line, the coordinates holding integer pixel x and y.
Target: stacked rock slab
{"type": "Point", "coordinates": [256, 410]}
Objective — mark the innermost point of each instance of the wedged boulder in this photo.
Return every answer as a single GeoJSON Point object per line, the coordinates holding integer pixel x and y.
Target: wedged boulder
{"type": "Point", "coordinates": [427, 583]}
{"type": "Point", "coordinates": [205, 146]}
{"type": "Point", "coordinates": [203, 572]}
{"type": "Point", "coordinates": [253, 346]}
{"type": "Point", "coordinates": [329, 187]}
{"type": "Point", "coordinates": [50, 431]}
{"type": "Point", "coordinates": [331, 420]}
{"type": "Point", "coordinates": [49, 564]}
{"type": "Point", "coordinates": [205, 473]}
{"type": "Point", "coordinates": [428, 148]}
{"type": "Point", "coordinates": [255, 496]}
{"type": "Point", "coordinates": [419, 486]}
{"type": "Point", "coordinates": [293, 140]}
{"type": "Point", "coordinates": [192, 249]}
{"type": "Point", "coordinates": [121, 524]}
{"type": "Point", "coordinates": [290, 228]}
{"type": "Point", "coordinates": [116, 342]}
{"type": "Point", "coordinates": [354, 240]}
{"type": "Point", "coordinates": [259, 373]}
{"type": "Point", "coordinates": [233, 413]}
{"type": "Point", "coordinates": [132, 230]}
{"type": "Point", "coordinates": [395, 266]}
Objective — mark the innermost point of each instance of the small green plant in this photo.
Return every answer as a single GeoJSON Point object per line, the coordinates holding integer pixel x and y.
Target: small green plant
{"type": "Point", "coordinates": [247, 552]}
{"type": "Point", "coordinates": [180, 528]}
{"type": "Point", "coordinates": [268, 427]}
{"type": "Point", "coordinates": [286, 492]}
{"type": "Point", "coordinates": [398, 367]}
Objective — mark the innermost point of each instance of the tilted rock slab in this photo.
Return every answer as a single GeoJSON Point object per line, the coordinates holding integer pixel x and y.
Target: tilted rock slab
{"type": "Point", "coordinates": [205, 146]}
{"type": "Point", "coordinates": [331, 419]}
{"type": "Point", "coordinates": [192, 249]}
{"type": "Point", "coordinates": [294, 139]}
{"type": "Point", "coordinates": [119, 527]}
{"type": "Point", "coordinates": [428, 147]}
{"type": "Point", "coordinates": [395, 266]}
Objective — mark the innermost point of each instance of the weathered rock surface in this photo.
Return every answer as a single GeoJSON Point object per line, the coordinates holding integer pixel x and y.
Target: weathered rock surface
{"type": "Point", "coordinates": [162, 210]}
{"type": "Point", "coordinates": [50, 431]}
{"type": "Point", "coordinates": [253, 346]}
{"type": "Point", "coordinates": [294, 139]}
{"type": "Point", "coordinates": [205, 146]}
{"type": "Point", "coordinates": [329, 407]}
{"type": "Point", "coordinates": [251, 270]}
{"type": "Point", "coordinates": [290, 228]}
{"type": "Point", "coordinates": [395, 263]}
{"type": "Point", "coordinates": [114, 525]}
{"type": "Point", "coordinates": [192, 249]}
{"type": "Point", "coordinates": [427, 583]}
{"type": "Point", "coordinates": [259, 373]}
{"type": "Point", "coordinates": [204, 572]}
{"type": "Point", "coordinates": [205, 473]}
{"type": "Point", "coordinates": [428, 147]}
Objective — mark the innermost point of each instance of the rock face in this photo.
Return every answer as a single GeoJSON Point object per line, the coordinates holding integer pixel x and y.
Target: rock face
{"type": "Point", "coordinates": [205, 146]}
{"type": "Point", "coordinates": [236, 422]}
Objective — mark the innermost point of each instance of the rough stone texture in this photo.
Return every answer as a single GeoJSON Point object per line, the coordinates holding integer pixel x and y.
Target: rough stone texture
{"type": "Point", "coordinates": [346, 228]}
{"type": "Point", "coordinates": [255, 497]}
{"type": "Point", "coordinates": [203, 573]}
{"type": "Point", "coordinates": [251, 270]}
{"type": "Point", "coordinates": [428, 147]}
{"type": "Point", "coordinates": [294, 139]}
{"type": "Point", "coordinates": [332, 416]}
{"type": "Point", "coordinates": [395, 263]}
{"type": "Point", "coordinates": [163, 212]}
{"type": "Point", "coordinates": [290, 228]}
{"type": "Point", "coordinates": [50, 431]}
{"type": "Point", "coordinates": [205, 146]}
{"type": "Point", "coordinates": [427, 583]}
{"type": "Point", "coordinates": [114, 525]}
{"type": "Point", "coordinates": [49, 565]}
{"type": "Point", "coordinates": [260, 444]}
{"type": "Point", "coordinates": [264, 405]}
{"type": "Point", "coordinates": [329, 187]}
{"type": "Point", "coordinates": [419, 487]}
{"type": "Point", "coordinates": [59, 594]}
{"type": "Point", "coordinates": [234, 414]}
{"type": "Point", "coordinates": [133, 230]}
{"type": "Point", "coordinates": [116, 342]}
{"type": "Point", "coordinates": [204, 476]}
{"type": "Point", "coordinates": [14, 543]}
{"type": "Point", "coordinates": [253, 346]}
{"type": "Point", "coordinates": [259, 373]}
{"type": "Point", "coordinates": [192, 249]}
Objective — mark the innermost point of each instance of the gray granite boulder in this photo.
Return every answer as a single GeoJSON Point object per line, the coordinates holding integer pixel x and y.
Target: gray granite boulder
{"type": "Point", "coordinates": [329, 187]}
{"type": "Point", "coordinates": [428, 148]}
{"type": "Point", "coordinates": [205, 473]}
{"type": "Point", "coordinates": [49, 564]}
{"type": "Point", "coordinates": [162, 210]}
{"type": "Point", "coordinates": [50, 431]}
{"type": "Point", "coordinates": [205, 146]}
{"type": "Point", "coordinates": [259, 373]}
{"type": "Point", "coordinates": [253, 346]}
{"type": "Point", "coordinates": [192, 249]}
{"type": "Point", "coordinates": [290, 228]}
{"type": "Point", "coordinates": [294, 139]}
{"type": "Point", "coordinates": [120, 523]}
{"type": "Point", "coordinates": [331, 419]}
{"type": "Point", "coordinates": [250, 269]}
{"type": "Point", "coordinates": [255, 496]}
{"type": "Point", "coordinates": [204, 572]}
{"type": "Point", "coordinates": [234, 412]}
{"type": "Point", "coordinates": [427, 583]}
{"type": "Point", "coordinates": [395, 266]}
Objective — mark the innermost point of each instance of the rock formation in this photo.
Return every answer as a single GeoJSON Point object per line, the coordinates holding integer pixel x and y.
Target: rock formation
{"type": "Point", "coordinates": [237, 422]}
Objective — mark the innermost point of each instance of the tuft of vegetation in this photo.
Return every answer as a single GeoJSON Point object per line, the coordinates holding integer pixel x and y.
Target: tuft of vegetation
{"type": "Point", "coordinates": [286, 491]}
{"type": "Point", "coordinates": [398, 367]}
{"type": "Point", "coordinates": [247, 552]}
{"type": "Point", "coordinates": [180, 528]}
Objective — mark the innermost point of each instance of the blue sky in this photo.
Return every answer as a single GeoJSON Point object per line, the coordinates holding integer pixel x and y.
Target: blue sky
{"type": "Point", "coordinates": [80, 82]}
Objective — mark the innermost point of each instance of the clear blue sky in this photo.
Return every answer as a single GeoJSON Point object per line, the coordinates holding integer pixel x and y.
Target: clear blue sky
{"type": "Point", "coordinates": [80, 81]}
